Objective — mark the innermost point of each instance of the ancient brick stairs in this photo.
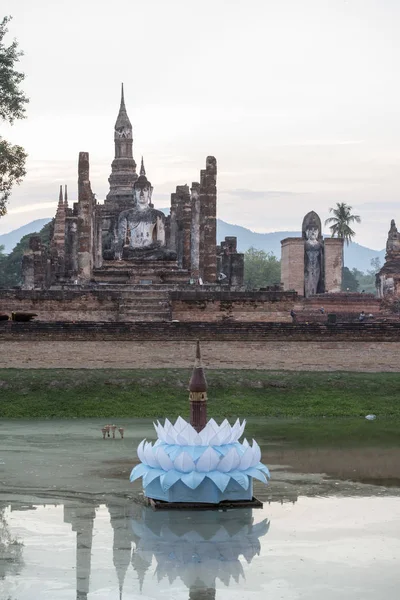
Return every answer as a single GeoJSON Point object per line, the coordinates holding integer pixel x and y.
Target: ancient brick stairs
{"type": "Point", "coordinates": [145, 305]}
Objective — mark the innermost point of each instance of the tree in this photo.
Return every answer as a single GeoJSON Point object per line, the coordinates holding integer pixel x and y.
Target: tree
{"type": "Point", "coordinates": [341, 220]}
{"type": "Point", "coordinates": [261, 268]}
{"type": "Point", "coordinates": [11, 264]}
{"type": "Point", "coordinates": [12, 107]}
{"type": "Point", "coordinates": [349, 281]}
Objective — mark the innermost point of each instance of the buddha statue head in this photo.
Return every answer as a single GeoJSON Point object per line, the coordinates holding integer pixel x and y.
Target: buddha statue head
{"type": "Point", "coordinates": [142, 190]}
{"type": "Point", "coordinates": [311, 229]}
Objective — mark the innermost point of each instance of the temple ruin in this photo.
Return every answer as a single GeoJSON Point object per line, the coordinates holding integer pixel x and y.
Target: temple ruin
{"type": "Point", "coordinates": [388, 278]}
{"type": "Point", "coordinates": [125, 239]}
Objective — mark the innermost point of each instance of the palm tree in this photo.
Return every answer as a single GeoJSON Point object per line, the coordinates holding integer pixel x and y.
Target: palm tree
{"type": "Point", "coordinates": [341, 221]}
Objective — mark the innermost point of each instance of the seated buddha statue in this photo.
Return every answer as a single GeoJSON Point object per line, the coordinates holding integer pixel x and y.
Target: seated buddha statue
{"type": "Point", "coordinates": [141, 229]}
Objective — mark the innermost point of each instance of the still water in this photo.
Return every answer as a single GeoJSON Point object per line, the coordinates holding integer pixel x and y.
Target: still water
{"type": "Point", "coordinates": [71, 526]}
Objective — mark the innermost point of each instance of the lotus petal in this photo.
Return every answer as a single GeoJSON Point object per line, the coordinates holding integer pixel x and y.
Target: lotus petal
{"type": "Point", "coordinates": [256, 454]}
{"type": "Point", "coordinates": [222, 437]}
{"type": "Point", "coordinates": [208, 461]}
{"type": "Point", "coordinates": [242, 428]}
{"type": "Point", "coordinates": [151, 475]}
{"type": "Point", "coordinates": [193, 479]}
{"type": "Point", "coordinates": [164, 460]}
{"type": "Point", "coordinates": [221, 480]}
{"type": "Point", "coordinates": [149, 457]}
{"type": "Point", "coordinates": [214, 440]}
{"type": "Point", "coordinates": [264, 469]}
{"type": "Point", "coordinates": [213, 425]}
{"type": "Point", "coordinates": [140, 451]}
{"type": "Point", "coordinates": [168, 479]}
{"type": "Point", "coordinates": [138, 471]}
{"type": "Point", "coordinates": [229, 462]}
{"type": "Point", "coordinates": [245, 443]}
{"type": "Point", "coordinates": [184, 463]}
{"type": "Point", "coordinates": [241, 478]}
{"type": "Point", "coordinates": [180, 424]}
{"type": "Point", "coordinates": [235, 431]}
{"type": "Point", "coordinates": [256, 474]}
{"type": "Point", "coordinates": [246, 459]}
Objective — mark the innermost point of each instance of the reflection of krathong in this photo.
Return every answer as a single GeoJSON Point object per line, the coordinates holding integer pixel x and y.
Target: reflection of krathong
{"type": "Point", "coordinates": [200, 548]}
{"type": "Point", "coordinates": [199, 462]}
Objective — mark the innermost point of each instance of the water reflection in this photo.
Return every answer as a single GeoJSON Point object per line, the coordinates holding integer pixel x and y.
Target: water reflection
{"type": "Point", "coordinates": [197, 547]}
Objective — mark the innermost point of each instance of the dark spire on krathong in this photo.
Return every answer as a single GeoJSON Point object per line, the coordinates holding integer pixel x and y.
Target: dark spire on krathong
{"type": "Point", "coordinates": [198, 394]}
{"type": "Point", "coordinates": [198, 381]}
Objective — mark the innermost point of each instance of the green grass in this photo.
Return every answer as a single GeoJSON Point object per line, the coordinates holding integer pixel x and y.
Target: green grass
{"type": "Point", "coordinates": [68, 393]}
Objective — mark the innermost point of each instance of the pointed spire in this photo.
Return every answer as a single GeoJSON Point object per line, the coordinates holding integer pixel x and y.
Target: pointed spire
{"type": "Point", "coordinates": [122, 97]}
{"type": "Point", "coordinates": [142, 169]}
{"type": "Point", "coordinates": [122, 119]}
{"type": "Point", "coordinates": [60, 197]}
{"type": "Point", "coordinates": [65, 196]}
{"type": "Point", "coordinates": [198, 381]}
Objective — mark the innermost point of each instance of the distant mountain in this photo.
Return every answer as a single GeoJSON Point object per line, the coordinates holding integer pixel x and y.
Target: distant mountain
{"type": "Point", "coordinates": [355, 255]}
{"type": "Point", "coordinates": [10, 240]}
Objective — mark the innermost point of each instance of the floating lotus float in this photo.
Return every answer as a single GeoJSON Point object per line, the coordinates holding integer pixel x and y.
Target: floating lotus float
{"type": "Point", "coordinates": [199, 462]}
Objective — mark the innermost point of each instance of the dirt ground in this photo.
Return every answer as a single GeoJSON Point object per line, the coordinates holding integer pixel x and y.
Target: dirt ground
{"type": "Point", "coordinates": [293, 356]}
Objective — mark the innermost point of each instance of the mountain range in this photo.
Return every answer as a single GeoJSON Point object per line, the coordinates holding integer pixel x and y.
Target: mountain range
{"type": "Point", "coordinates": [355, 255]}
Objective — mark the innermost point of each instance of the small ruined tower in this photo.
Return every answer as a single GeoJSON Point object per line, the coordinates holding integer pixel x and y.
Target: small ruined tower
{"type": "Point", "coordinates": [58, 241]}
{"type": "Point", "coordinates": [123, 168]}
{"type": "Point", "coordinates": [198, 394]}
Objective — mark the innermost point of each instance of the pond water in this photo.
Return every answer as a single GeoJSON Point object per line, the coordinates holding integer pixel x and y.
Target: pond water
{"type": "Point", "coordinates": [73, 527]}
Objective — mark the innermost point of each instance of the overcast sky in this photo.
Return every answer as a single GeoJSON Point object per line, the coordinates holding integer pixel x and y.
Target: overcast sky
{"type": "Point", "coordinates": [297, 99]}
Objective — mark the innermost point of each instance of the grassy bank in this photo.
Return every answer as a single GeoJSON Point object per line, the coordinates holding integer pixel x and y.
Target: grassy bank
{"type": "Point", "coordinates": [68, 393]}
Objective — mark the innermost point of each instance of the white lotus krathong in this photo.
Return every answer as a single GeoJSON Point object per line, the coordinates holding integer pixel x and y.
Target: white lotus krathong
{"type": "Point", "coordinates": [180, 453]}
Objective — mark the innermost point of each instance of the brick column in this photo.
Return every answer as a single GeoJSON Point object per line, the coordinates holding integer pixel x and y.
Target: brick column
{"type": "Point", "coordinates": [85, 220]}
{"type": "Point", "coordinates": [333, 256]}
{"type": "Point", "coordinates": [208, 221]}
{"type": "Point", "coordinates": [292, 265]}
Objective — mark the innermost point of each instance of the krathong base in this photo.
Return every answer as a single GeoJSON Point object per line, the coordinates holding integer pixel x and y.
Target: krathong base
{"type": "Point", "coordinates": [206, 492]}
{"type": "Point", "coordinates": [224, 506]}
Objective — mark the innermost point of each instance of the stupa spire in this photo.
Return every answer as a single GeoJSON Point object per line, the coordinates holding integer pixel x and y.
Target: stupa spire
{"type": "Point", "coordinates": [142, 169]}
{"type": "Point", "coordinates": [65, 196]}
{"type": "Point", "coordinates": [123, 168]}
{"type": "Point", "coordinates": [60, 197]}
{"type": "Point", "coordinates": [198, 393]}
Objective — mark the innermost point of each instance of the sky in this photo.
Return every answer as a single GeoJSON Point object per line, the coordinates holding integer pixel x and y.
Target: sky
{"type": "Point", "coordinates": [297, 99]}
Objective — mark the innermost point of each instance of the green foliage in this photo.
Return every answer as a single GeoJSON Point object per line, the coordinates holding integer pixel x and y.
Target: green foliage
{"type": "Point", "coordinates": [10, 265]}
{"type": "Point", "coordinates": [356, 281]}
{"type": "Point", "coordinates": [156, 393]}
{"type": "Point", "coordinates": [261, 268]}
{"type": "Point", "coordinates": [349, 281]}
{"type": "Point", "coordinates": [340, 222]}
{"type": "Point", "coordinates": [12, 107]}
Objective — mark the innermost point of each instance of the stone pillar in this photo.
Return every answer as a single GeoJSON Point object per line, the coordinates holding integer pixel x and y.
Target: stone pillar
{"type": "Point", "coordinates": [34, 265]}
{"type": "Point", "coordinates": [98, 246]}
{"type": "Point", "coordinates": [173, 224]}
{"type": "Point", "coordinates": [237, 270]}
{"type": "Point", "coordinates": [208, 221]}
{"type": "Point", "coordinates": [292, 265]}
{"type": "Point", "coordinates": [85, 220]}
{"type": "Point", "coordinates": [186, 212]}
{"type": "Point", "coordinates": [333, 255]}
{"type": "Point", "coordinates": [195, 231]}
